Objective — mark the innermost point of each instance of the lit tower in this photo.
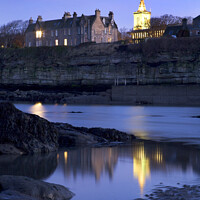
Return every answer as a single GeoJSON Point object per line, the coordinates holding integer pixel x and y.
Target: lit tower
{"type": "Point", "coordinates": [142, 17]}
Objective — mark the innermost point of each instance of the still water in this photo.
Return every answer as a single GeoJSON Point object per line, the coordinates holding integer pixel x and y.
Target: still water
{"type": "Point", "coordinates": [154, 123]}
{"type": "Point", "coordinates": [110, 173]}
{"type": "Point", "coordinates": [116, 173]}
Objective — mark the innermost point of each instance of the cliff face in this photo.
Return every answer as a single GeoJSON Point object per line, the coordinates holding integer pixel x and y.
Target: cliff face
{"type": "Point", "coordinates": [154, 62]}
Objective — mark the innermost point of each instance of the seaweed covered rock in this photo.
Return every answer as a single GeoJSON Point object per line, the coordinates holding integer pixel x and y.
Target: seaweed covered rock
{"type": "Point", "coordinates": [24, 188]}
{"type": "Point", "coordinates": [25, 133]}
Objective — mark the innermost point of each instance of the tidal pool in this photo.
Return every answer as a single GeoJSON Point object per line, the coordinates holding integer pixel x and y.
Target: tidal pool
{"type": "Point", "coordinates": [111, 173]}
{"type": "Point", "coordinates": [120, 172]}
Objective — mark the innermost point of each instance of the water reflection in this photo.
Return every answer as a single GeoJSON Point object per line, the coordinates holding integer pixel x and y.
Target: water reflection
{"type": "Point", "coordinates": [36, 166]}
{"type": "Point", "coordinates": [141, 165]}
{"type": "Point", "coordinates": [135, 169]}
{"type": "Point", "coordinates": [38, 109]}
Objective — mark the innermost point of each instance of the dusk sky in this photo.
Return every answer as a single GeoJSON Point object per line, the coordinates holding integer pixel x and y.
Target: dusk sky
{"type": "Point", "coordinates": [123, 9]}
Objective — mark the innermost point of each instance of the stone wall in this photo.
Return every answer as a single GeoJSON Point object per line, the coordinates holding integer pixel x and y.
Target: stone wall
{"type": "Point", "coordinates": [176, 95]}
{"type": "Point", "coordinates": [103, 64]}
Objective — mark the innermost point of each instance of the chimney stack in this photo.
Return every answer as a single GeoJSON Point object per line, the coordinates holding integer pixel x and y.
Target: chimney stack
{"type": "Point", "coordinates": [39, 19]}
{"type": "Point", "coordinates": [67, 15]}
{"type": "Point", "coordinates": [30, 21]}
{"type": "Point", "coordinates": [97, 13]}
{"type": "Point", "coordinates": [184, 24]}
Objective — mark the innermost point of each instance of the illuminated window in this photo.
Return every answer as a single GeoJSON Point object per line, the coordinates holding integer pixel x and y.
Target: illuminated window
{"type": "Point", "coordinates": [56, 42]}
{"type": "Point", "coordinates": [110, 31]}
{"type": "Point", "coordinates": [38, 34]}
{"type": "Point", "coordinates": [65, 42]}
{"type": "Point", "coordinates": [56, 33]}
{"type": "Point", "coordinates": [109, 40]}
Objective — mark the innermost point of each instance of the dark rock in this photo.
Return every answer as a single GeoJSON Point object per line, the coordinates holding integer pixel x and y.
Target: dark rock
{"type": "Point", "coordinates": [23, 188]}
{"type": "Point", "coordinates": [25, 133]}
{"type": "Point", "coordinates": [196, 116]}
{"type": "Point", "coordinates": [71, 136]}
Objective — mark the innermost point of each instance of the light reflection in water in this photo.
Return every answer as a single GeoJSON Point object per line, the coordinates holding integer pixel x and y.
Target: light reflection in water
{"type": "Point", "coordinates": [38, 109]}
{"type": "Point", "coordinates": [65, 157]}
{"type": "Point", "coordinates": [110, 168]}
{"type": "Point", "coordinates": [141, 165]}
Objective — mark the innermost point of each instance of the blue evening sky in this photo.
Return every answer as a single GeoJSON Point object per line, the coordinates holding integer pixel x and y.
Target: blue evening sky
{"type": "Point", "coordinates": [123, 9]}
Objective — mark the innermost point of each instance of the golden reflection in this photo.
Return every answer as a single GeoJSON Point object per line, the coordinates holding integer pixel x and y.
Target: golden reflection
{"type": "Point", "coordinates": [158, 157]}
{"type": "Point", "coordinates": [38, 109]}
{"type": "Point", "coordinates": [103, 160]}
{"type": "Point", "coordinates": [141, 166]}
{"type": "Point", "coordinates": [58, 157]}
{"type": "Point", "coordinates": [65, 157]}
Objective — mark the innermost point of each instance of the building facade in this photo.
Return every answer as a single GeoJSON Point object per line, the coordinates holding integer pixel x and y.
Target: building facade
{"type": "Point", "coordinates": [184, 30]}
{"type": "Point", "coordinates": [142, 18]}
{"type": "Point", "coordinates": [142, 25]}
{"type": "Point", "coordinates": [72, 30]}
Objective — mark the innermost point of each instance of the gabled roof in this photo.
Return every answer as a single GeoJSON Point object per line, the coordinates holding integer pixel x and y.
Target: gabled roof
{"type": "Point", "coordinates": [61, 23]}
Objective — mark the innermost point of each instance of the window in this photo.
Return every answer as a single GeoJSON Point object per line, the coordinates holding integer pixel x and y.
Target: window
{"type": "Point", "coordinates": [56, 33]}
{"type": "Point", "coordinates": [105, 30]}
{"type": "Point", "coordinates": [52, 34]}
{"type": "Point", "coordinates": [51, 43]}
{"type": "Point", "coordinates": [65, 31]}
{"type": "Point", "coordinates": [47, 43]}
{"type": "Point", "coordinates": [79, 30]}
{"type": "Point", "coordinates": [110, 31]}
{"type": "Point", "coordinates": [56, 42]}
{"type": "Point", "coordinates": [65, 42]}
{"type": "Point", "coordinates": [86, 30]}
{"type": "Point", "coordinates": [109, 40]}
{"type": "Point", "coordinates": [43, 34]}
{"type": "Point", "coordinates": [38, 34]}
{"type": "Point", "coordinates": [69, 31]}
{"type": "Point", "coordinates": [95, 39]}
{"type": "Point", "coordinates": [38, 43]}
{"type": "Point", "coordinates": [29, 44]}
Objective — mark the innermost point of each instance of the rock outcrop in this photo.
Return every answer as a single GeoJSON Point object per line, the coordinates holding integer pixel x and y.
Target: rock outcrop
{"type": "Point", "coordinates": [23, 188]}
{"type": "Point", "coordinates": [25, 133]}
{"type": "Point", "coordinates": [157, 61]}
{"type": "Point", "coordinates": [71, 136]}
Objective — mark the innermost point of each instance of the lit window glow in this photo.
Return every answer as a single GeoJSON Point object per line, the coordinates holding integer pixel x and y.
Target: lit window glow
{"type": "Point", "coordinates": [56, 42]}
{"type": "Point", "coordinates": [65, 42]}
{"type": "Point", "coordinates": [38, 34]}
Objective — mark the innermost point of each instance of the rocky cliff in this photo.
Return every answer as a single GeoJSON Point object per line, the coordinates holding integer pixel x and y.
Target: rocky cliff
{"type": "Point", "coordinates": [159, 61]}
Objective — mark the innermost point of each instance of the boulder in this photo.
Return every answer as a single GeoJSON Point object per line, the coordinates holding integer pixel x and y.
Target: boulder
{"type": "Point", "coordinates": [25, 133]}
{"type": "Point", "coordinates": [73, 136]}
{"type": "Point", "coordinates": [23, 188]}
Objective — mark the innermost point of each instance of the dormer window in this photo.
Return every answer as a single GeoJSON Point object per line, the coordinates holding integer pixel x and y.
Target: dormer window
{"type": "Point", "coordinates": [56, 33]}
{"type": "Point", "coordinates": [38, 34]}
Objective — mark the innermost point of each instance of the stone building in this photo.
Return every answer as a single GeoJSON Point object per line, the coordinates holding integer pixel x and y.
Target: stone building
{"type": "Point", "coordinates": [142, 25]}
{"type": "Point", "coordinates": [72, 30]}
{"type": "Point", "coordinates": [185, 29]}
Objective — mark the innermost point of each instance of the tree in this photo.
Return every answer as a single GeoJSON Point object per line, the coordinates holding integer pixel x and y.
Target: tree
{"type": "Point", "coordinates": [166, 20]}
{"type": "Point", "coordinates": [123, 34]}
{"type": "Point", "coordinates": [12, 34]}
